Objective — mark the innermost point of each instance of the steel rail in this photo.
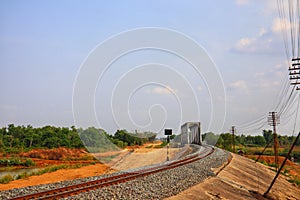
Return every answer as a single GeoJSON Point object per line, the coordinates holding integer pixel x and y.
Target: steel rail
{"type": "Point", "coordinates": [113, 180]}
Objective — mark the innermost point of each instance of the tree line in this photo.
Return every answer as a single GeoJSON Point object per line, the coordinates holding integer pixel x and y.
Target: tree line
{"type": "Point", "coordinates": [19, 138]}
{"type": "Point", "coordinates": [97, 140]}
{"type": "Point", "coordinates": [224, 140]}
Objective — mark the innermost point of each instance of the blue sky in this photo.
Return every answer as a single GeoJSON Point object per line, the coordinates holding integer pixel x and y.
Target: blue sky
{"type": "Point", "coordinates": [44, 43]}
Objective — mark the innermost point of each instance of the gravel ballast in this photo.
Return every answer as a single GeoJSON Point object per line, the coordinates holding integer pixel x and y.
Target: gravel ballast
{"type": "Point", "coordinates": [155, 186]}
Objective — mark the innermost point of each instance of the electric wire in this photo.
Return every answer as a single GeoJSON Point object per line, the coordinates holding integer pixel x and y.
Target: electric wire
{"type": "Point", "coordinates": [289, 19]}
{"type": "Point", "coordinates": [297, 109]}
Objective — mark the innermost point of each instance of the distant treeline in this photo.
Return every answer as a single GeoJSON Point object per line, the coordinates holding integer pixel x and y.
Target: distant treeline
{"type": "Point", "coordinates": [97, 140]}
{"type": "Point", "coordinates": [224, 140]}
{"type": "Point", "coordinates": [19, 138]}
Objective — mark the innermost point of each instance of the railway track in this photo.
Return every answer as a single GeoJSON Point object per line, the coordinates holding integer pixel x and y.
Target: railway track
{"type": "Point", "coordinates": [116, 179]}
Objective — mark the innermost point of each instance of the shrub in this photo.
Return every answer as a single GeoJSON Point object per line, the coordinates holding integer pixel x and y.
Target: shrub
{"type": "Point", "coordinates": [16, 161]}
{"type": "Point", "coordinates": [295, 180]}
{"type": "Point", "coordinates": [6, 179]}
{"type": "Point", "coordinates": [23, 175]}
{"type": "Point", "coordinates": [28, 162]}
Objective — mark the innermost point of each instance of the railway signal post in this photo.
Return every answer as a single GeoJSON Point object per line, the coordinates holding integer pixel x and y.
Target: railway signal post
{"type": "Point", "coordinates": [168, 133]}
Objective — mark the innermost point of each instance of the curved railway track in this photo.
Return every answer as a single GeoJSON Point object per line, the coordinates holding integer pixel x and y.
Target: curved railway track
{"type": "Point", "coordinates": [116, 179]}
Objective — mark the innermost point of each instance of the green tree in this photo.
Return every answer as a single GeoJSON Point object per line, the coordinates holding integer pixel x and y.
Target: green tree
{"type": "Point", "coordinates": [259, 140]}
{"type": "Point", "coordinates": [268, 135]}
{"type": "Point", "coordinates": [210, 138]}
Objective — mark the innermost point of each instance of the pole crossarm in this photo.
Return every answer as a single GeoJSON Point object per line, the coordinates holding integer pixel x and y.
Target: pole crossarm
{"type": "Point", "coordinates": [295, 72]}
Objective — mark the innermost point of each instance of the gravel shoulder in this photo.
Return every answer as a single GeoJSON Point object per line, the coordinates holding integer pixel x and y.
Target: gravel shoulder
{"type": "Point", "coordinates": [241, 179]}
{"type": "Point", "coordinates": [162, 184]}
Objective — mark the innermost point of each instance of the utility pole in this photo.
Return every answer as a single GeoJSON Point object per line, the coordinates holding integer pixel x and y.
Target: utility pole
{"type": "Point", "coordinates": [282, 165]}
{"type": "Point", "coordinates": [295, 72]}
{"type": "Point", "coordinates": [273, 120]}
{"type": "Point", "coordinates": [295, 80]}
{"type": "Point", "coordinates": [233, 142]}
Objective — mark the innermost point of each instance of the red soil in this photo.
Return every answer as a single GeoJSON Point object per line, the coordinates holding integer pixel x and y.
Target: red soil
{"type": "Point", "coordinates": [292, 167]}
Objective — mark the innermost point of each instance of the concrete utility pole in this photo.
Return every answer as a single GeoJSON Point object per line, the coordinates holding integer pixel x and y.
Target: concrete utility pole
{"type": "Point", "coordinates": [273, 120]}
{"type": "Point", "coordinates": [233, 142]}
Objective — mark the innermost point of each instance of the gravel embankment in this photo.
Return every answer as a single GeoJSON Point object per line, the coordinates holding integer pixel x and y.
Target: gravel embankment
{"type": "Point", "coordinates": [156, 186]}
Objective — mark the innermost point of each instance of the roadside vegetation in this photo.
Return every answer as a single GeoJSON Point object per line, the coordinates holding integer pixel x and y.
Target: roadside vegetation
{"type": "Point", "coordinates": [17, 139]}
{"type": "Point", "coordinates": [8, 162]}
{"type": "Point", "coordinates": [252, 147]}
{"type": "Point", "coordinates": [53, 148]}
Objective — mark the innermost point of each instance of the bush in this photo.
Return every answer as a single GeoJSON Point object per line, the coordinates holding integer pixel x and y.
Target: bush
{"type": "Point", "coordinates": [6, 179]}
{"type": "Point", "coordinates": [295, 180]}
{"type": "Point", "coordinates": [28, 162]}
{"type": "Point", "coordinates": [10, 162]}
{"type": "Point", "coordinates": [264, 162]}
{"type": "Point", "coordinates": [13, 150]}
{"type": "Point", "coordinates": [16, 162]}
{"type": "Point", "coordinates": [23, 175]}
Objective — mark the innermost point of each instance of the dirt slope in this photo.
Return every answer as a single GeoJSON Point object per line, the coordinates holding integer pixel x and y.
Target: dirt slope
{"type": "Point", "coordinates": [60, 175]}
{"type": "Point", "coordinates": [239, 180]}
{"type": "Point", "coordinates": [143, 157]}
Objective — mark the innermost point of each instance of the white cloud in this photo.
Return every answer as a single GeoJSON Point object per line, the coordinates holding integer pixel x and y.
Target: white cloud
{"type": "Point", "coordinates": [240, 84]}
{"type": "Point", "coordinates": [270, 7]}
{"type": "Point", "coordinates": [244, 43]}
{"type": "Point", "coordinates": [164, 90]}
{"type": "Point", "coordinates": [8, 107]}
{"type": "Point", "coordinates": [200, 88]}
{"type": "Point", "coordinates": [280, 25]}
{"type": "Point", "coordinates": [271, 77]}
{"type": "Point", "coordinates": [264, 42]}
{"type": "Point", "coordinates": [242, 2]}
{"type": "Point", "coordinates": [259, 74]}
{"type": "Point", "coordinates": [262, 32]}
{"type": "Point", "coordinates": [252, 110]}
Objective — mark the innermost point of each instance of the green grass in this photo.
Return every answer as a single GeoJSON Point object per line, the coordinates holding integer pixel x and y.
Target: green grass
{"type": "Point", "coordinates": [107, 158]}
{"type": "Point", "coordinates": [6, 179]}
{"type": "Point", "coordinates": [22, 176]}
{"type": "Point", "coordinates": [8, 162]}
{"type": "Point", "coordinates": [163, 144]}
{"type": "Point", "coordinates": [282, 151]}
{"type": "Point", "coordinates": [86, 157]}
{"type": "Point", "coordinates": [295, 180]}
